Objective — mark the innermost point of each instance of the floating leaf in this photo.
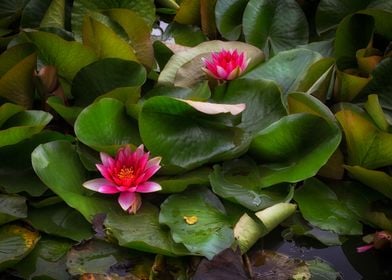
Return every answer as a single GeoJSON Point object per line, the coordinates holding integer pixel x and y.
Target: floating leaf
{"type": "Point", "coordinates": [101, 257]}
{"type": "Point", "coordinates": [94, 126]}
{"type": "Point", "coordinates": [60, 220]}
{"type": "Point", "coordinates": [331, 12]}
{"type": "Point", "coordinates": [23, 125]}
{"type": "Point", "coordinates": [44, 13]}
{"type": "Point", "coordinates": [321, 207]}
{"type": "Point", "coordinates": [68, 113]}
{"type": "Point", "coordinates": [12, 208]}
{"type": "Point", "coordinates": [228, 21]}
{"type": "Point", "coordinates": [378, 180]}
{"type": "Point", "coordinates": [168, 126]}
{"type": "Point", "coordinates": [295, 147]}
{"type": "Point", "coordinates": [144, 8]}
{"type": "Point", "coordinates": [367, 145]}
{"type": "Point", "coordinates": [67, 57]}
{"type": "Point", "coordinates": [210, 234]}
{"type": "Point", "coordinates": [138, 32]}
{"type": "Point", "coordinates": [105, 75]}
{"type": "Point", "coordinates": [189, 12]}
{"type": "Point", "coordinates": [46, 261]}
{"type": "Point", "coordinates": [274, 26]}
{"type": "Point", "coordinates": [104, 41]}
{"type": "Point", "coordinates": [16, 242]}
{"type": "Point", "coordinates": [16, 74]}
{"type": "Point", "coordinates": [279, 69]}
{"type": "Point", "coordinates": [7, 110]}
{"type": "Point", "coordinates": [262, 99]}
{"type": "Point", "coordinates": [240, 181]}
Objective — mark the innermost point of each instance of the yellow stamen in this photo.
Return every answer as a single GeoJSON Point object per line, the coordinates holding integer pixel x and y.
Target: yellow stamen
{"type": "Point", "coordinates": [126, 173]}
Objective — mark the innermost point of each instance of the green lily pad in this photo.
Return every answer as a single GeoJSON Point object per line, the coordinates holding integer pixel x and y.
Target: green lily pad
{"type": "Point", "coordinates": [295, 147]}
{"type": "Point", "coordinates": [46, 261]}
{"type": "Point", "coordinates": [10, 11]}
{"type": "Point", "coordinates": [178, 183]}
{"type": "Point", "coordinates": [16, 242]}
{"type": "Point", "coordinates": [378, 180]}
{"type": "Point", "coordinates": [23, 125]}
{"type": "Point", "coordinates": [188, 12]}
{"type": "Point", "coordinates": [44, 13]}
{"type": "Point", "coordinates": [228, 21]}
{"type": "Point", "coordinates": [104, 41]}
{"type": "Point", "coordinates": [171, 128]}
{"type": "Point", "coordinates": [353, 33]}
{"type": "Point", "coordinates": [12, 207]}
{"type": "Point", "coordinates": [331, 12]}
{"type": "Point", "coordinates": [240, 181]}
{"type": "Point", "coordinates": [16, 74]}
{"type": "Point", "coordinates": [17, 174]}
{"type": "Point", "coordinates": [321, 207]}
{"type": "Point", "coordinates": [184, 35]}
{"type": "Point", "coordinates": [262, 99]}
{"type": "Point", "coordinates": [102, 258]}
{"type": "Point", "coordinates": [106, 75]}
{"type": "Point", "coordinates": [67, 57]}
{"type": "Point", "coordinates": [200, 92]}
{"type": "Point", "coordinates": [143, 232]}
{"type": "Point", "coordinates": [144, 8]}
{"type": "Point", "coordinates": [7, 110]}
{"type": "Point", "coordinates": [94, 126]}
{"type": "Point", "coordinates": [138, 31]}
{"type": "Point", "coordinates": [275, 26]}
{"type": "Point", "coordinates": [367, 145]}
{"type": "Point", "coordinates": [381, 83]}
{"type": "Point", "coordinates": [184, 68]}
{"type": "Point", "coordinates": [60, 220]}
{"type": "Point", "coordinates": [68, 113]}
{"type": "Point", "coordinates": [374, 109]}
{"type": "Point", "coordinates": [198, 220]}
{"type": "Point", "coordinates": [280, 69]}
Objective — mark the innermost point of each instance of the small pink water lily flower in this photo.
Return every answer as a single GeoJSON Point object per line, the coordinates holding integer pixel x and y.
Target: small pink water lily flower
{"type": "Point", "coordinates": [225, 65]}
{"type": "Point", "coordinates": [128, 174]}
{"type": "Point", "coordinates": [381, 240]}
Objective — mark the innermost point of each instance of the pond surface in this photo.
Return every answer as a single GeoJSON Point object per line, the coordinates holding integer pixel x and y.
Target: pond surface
{"type": "Point", "coordinates": [371, 265]}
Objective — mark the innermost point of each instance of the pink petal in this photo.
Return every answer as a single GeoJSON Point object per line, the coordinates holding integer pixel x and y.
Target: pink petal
{"type": "Point", "coordinates": [221, 72]}
{"type": "Point", "coordinates": [96, 184]}
{"type": "Point", "coordinates": [364, 248]}
{"type": "Point", "coordinates": [234, 74]}
{"type": "Point", "coordinates": [104, 172]}
{"type": "Point", "coordinates": [212, 74]}
{"type": "Point", "coordinates": [126, 199]}
{"type": "Point", "coordinates": [106, 159]}
{"type": "Point", "coordinates": [108, 189]}
{"type": "Point", "coordinates": [148, 187]}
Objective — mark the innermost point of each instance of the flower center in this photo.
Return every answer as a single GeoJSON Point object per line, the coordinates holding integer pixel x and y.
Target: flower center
{"type": "Point", "coordinates": [126, 173]}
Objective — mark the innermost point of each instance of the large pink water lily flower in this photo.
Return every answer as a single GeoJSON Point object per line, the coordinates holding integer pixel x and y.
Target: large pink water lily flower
{"type": "Point", "coordinates": [225, 65]}
{"type": "Point", "coordinates": [128, 174]}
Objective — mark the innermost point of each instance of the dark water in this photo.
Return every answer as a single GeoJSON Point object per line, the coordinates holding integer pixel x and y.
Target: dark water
{"type": "Point", "coordinates": [371, 265]}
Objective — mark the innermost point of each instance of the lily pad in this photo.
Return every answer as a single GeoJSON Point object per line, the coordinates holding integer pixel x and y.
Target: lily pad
{"type": "Point", "coordinates": [168, 128]}
{"type": "Point", "coordinates": [12, 207]}
{"type": "Point", "coordinates": [262, 99]}
{"type": "Point", "coordinates": [198, 220]}
{"type": "Point", "coordinates": [295, 147]}
{"type": "Point", "coordinates": [367, 145]}
{"type": "Point", "coordinates": [60, 220]}
{"type": "Point", "coordinates": [106, 75]}
{"type": "Point", "coordinates": [23, 125]}
{"type": "Point", "coordinates": [145, 8]}
{"type": "Point", "coordinates": [16, 242]}
{"type": "Point", "coordinates": [67, 57]}
{"type": "Point", "coordinates": [275, 26]}
{"type": "Point", "coordinates": [240, 181]}
{"type": "Point", "coordinates": [228, 21]}
{"type": "Point", "coordinates": [46, 261]}
{"type": "Point", "coordinates": [279, 69]}
{"type": "Point", "coordinates": [321, 207]}
{"type": "Point", "coordinates": [94, 126]}
{"type": "Point", "coordinates": [46, 13]}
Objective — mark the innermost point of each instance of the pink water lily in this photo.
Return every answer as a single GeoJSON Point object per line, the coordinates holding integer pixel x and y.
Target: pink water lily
{"type": "Point", "coordinates": [225, 65]}
{"type": "Point", "coordinates": [128, 174]}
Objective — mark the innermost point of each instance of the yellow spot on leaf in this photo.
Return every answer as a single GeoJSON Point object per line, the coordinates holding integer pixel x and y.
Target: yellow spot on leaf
{"type": "Point", "coordinates": [190, 220]}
